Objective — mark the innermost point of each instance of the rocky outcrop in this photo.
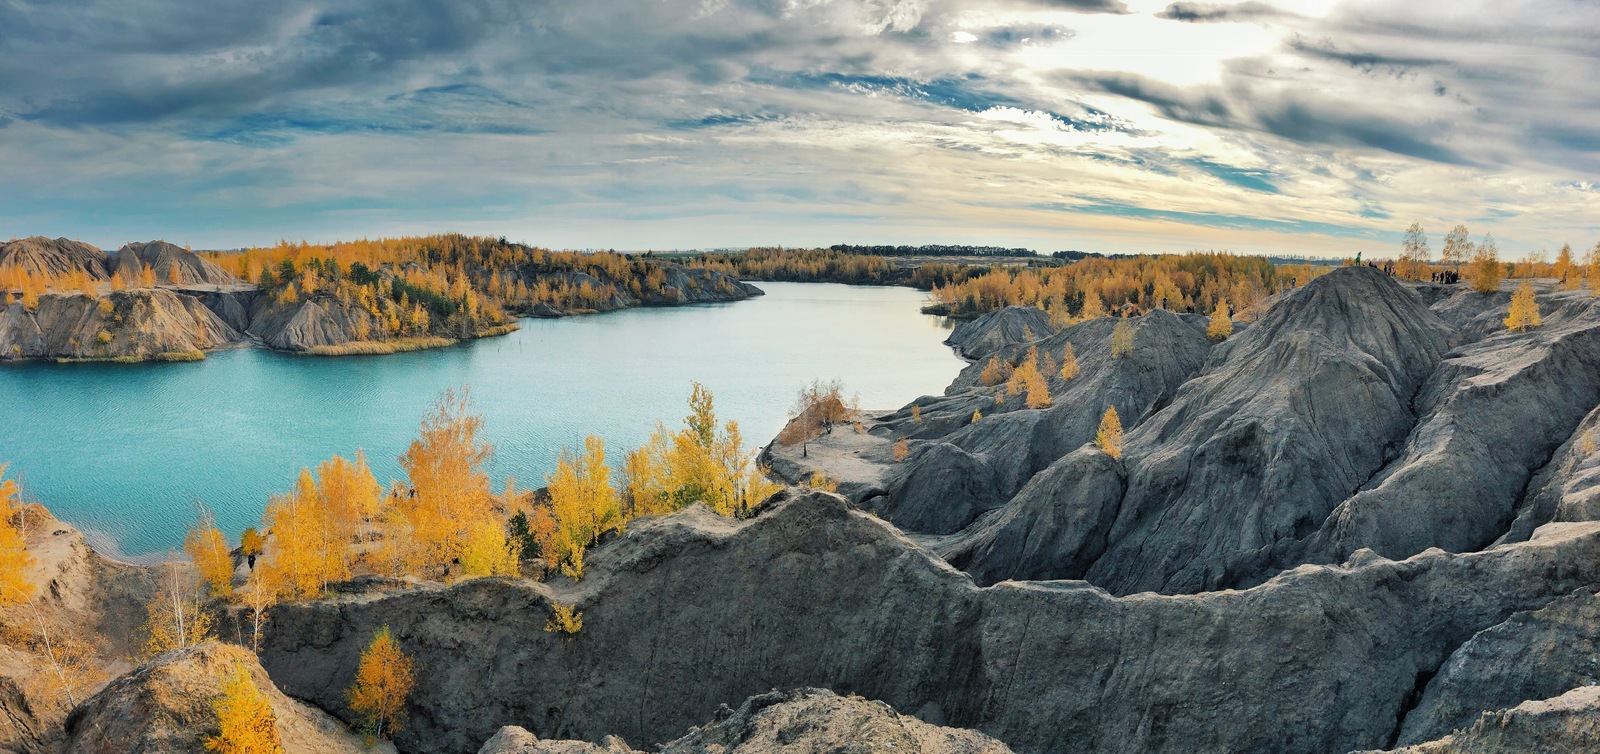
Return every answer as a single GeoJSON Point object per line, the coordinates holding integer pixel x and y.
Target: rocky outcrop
{"type": "Point", "coordinates": [1568, 487]}
{"type": "Point", "coordinates": [162, 258]}
{"type": "Point", "coordinates": [962, 469]}
{"type": "Point", "coordinates": [1492, 414]}
{"type": "Point", "coordinates": [686, 612]}
{"type": "Point", "coordinates": [1567, 723]}
{"type": "Point", "coordinates": [51, 257]}
{"type": "Point", "coordinates": [133, 325]}
{"type": "Point", "coordinates": [795, 722]}
{"type": "Point", "coordinates": [1537, 654]}
{"type": "Point", "coordinates": [516, 740]}
{"type": "Point", "coordinates": [1286, 420]}
{"type": "Point", "coordinates": [1014, 325]}
{"type": "Point", "coordinates": [312, 323]}
{"type": "Point", "coordinates": [1055, 528]}
{"type": "Point", "coordinates": [166, 706]}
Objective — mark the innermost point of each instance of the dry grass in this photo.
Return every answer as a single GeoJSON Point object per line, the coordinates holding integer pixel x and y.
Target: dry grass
{"type": "Point", "coordinates": [500, 330]}
{"type": "Point", "coordinates": [180, 356]}
{"type": "Point", "coordinates": [379, 347]}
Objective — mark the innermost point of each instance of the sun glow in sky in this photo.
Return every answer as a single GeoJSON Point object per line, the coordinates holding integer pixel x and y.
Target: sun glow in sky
{"type": "Point", "coordinates": [1318, 127]}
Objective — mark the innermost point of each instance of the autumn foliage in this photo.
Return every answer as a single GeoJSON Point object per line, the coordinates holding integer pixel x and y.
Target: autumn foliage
{"type": "Point", "coordinates": [1221, 325]}
{"type": "Point", "coordinates": [1524, 312]}
{"type": "Point", "coordinates": [245, 721]}
{"type": "Point", "coordinates": [1082, 290]}
{"type": "Point", "coordinates": [14, 558]}
{"type": "Point", "coordinates": [697, 463]}
{"type": "Point", "coordinates": [1109, 436]}
{"type": "Point", "coordinates": [817, 410]}
{"type": "Point", "coordinates": [176, 615]}
{"type": "Point", "coordinates": [208, 549]}
{"type": "Point", "coordinates": [1027, 378]}
{"type": "Point", "coordinates": [429, 524]}
{"type": "Point", "coordinates": [1122, 339]}
{"type": "Point", "coordinates": [383, 681]}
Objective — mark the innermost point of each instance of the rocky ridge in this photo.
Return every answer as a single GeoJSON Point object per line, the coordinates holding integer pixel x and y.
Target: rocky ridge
{"type": "Point", "coordinates": [1320, 658]}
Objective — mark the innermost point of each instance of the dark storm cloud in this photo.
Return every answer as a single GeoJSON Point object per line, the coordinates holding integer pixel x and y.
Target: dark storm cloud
{"type": "Point", "coordinates": [1087, 6]}
{"type": "Point", "coordinates": [1326, 49]}
{"type": "Point", "coordinates": [1297, 115]}
{"type": "Point", "coordinates": [1216, 12]}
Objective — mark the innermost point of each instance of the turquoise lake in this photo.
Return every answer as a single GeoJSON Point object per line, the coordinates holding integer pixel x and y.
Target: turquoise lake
{"type": "Point", "coordinates": [126, 451]}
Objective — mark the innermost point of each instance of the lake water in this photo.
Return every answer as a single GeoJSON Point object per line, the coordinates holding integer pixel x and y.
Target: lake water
{"type": "Point", "coordinates": [125, 451]}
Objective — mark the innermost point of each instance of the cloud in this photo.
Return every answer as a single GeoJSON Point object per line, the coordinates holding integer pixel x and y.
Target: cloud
{"type": "Point", "coordinates": [1087, 6]}
{"type": "Point", "coordinates": [1024, 122]}
{"type": "Point", "coordinates": [1214, 12]}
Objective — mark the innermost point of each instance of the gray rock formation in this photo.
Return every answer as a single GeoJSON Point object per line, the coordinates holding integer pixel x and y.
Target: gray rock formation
{"type": "Point", "coordinates": [44, 256]}
{"type": "Point", "coordinates": [1285, 421]}
{"type": "Point", "coordinates": [1568, 487]}
{"type": "Point", "coordinates": [1492, 414]}
{"type": "Point", "coordinates": [686, 612]}
{"type": "Point", "coordinates": [1351, 415]}
{"type": "Point", "coordinates": [963, 470]}
{"type": "Point", "coordinates": [1014, 325]}
{"type": "Point", "coordinates": [1055, 528]}
{"type": "Point", "coordinates": [311, 323]}
{"type": "Point", "coordinates": [133, 325]}
{"type": "Point", "coordinates": [1567, 723]}
{"type": "Point", "coordinates": [515, 740]}
{"type": "Point", "coordinates": [1538, 654]}
{"type": "Point", "coordinates": [166, 706]}
{"type": "Point", "coordinates": [806, 721]}
{"type": "Point", "coordinates": [160, 257]}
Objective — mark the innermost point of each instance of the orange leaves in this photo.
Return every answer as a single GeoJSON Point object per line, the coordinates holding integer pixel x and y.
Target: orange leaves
{"type": "Point", "coordinates": [1109, 436]}
{"type": "Point", "coordinates": [383, 681]}
{"type": "Point", "coordinates": [1028, 378]}
{"type": "Point", "coordinates": [312, 526]}
{"type": "Point", "coordinates": [14, 557]}
{"type": "Point", "coordinates": [1221, 325]}
{"type": "Point", "coordinates": [583, 504]}
{"type": "Point", "coordinates": [449, 488]}
{"type": "Point", "coordinates": [245, 721]}
{"type": "Point", "coordinates": [208, 549]}
{"type": "Point", "coordinates": [1524, 312]}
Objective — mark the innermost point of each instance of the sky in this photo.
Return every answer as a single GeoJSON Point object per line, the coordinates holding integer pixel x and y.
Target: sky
{"type": "Point", "coordinates": [1296, 127]}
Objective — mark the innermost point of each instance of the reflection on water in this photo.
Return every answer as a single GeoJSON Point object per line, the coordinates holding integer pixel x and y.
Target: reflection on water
{"type": "Point", "coordinates": [127, 450]}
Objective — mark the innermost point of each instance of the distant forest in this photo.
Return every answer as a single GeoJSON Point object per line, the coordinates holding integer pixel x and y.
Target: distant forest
{"type": "Point", "coordinates": [932, 250]}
